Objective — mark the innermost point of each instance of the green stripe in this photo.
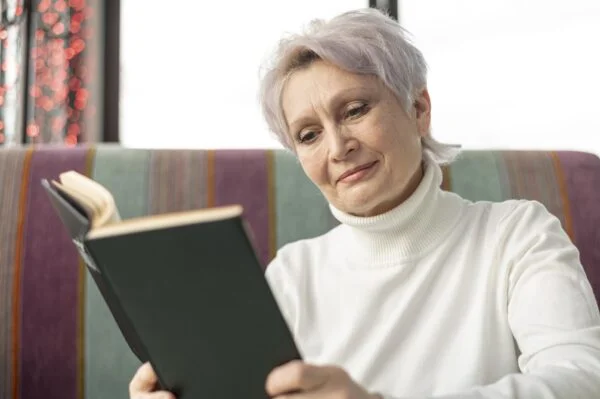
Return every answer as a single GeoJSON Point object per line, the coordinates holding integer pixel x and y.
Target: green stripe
{"type": "Point", "coordinates": [301, 209]}
{"type": "Point", "coordinates": [109, 363]}
{"type": "Point", "coordinates": [11, 176]}
{"type": "Point", "coordinates": [476, 176]}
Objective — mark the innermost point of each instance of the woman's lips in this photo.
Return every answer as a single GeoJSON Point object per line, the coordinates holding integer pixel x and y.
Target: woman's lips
{"type": "Point", "coordinates": [357, 173]}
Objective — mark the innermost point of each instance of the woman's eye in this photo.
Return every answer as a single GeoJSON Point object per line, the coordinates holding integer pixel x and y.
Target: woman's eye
{"type": "Point", "coordinates": [307, 136]}
{"type": "Point", "coordinates": [356, 111]}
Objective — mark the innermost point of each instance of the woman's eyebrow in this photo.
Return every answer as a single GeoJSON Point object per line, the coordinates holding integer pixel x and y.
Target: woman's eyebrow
{"type": "Point", "coordinates": [343, 95]}
{"type": "Point", "coordinates": [333, 102]}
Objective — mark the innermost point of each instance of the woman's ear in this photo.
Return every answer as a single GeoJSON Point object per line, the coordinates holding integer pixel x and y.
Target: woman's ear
{"type": "Point", "coordinates": [423, 112]}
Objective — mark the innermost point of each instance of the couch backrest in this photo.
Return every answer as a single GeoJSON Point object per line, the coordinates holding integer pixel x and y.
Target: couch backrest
{"type": "Point", "coordinates": [57, 338]}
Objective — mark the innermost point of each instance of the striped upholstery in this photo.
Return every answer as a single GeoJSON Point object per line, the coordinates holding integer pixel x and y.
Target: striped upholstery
{"type": "Point", "coordinates": [57, 338]}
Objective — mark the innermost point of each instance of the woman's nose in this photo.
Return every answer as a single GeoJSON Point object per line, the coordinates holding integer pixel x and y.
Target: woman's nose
{"type": "Point", "coordinates": [341, 143]}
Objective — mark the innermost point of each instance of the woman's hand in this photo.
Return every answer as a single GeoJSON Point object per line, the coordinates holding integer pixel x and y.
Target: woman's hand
{"type": "Point", "coordinates": [143, 384]}
{"type": "Point", "coordinates": [298, 380]}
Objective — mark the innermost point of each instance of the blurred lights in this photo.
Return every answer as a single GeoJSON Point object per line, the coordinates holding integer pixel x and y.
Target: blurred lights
{"type": "Point", "coordinates": [59, 85]}
{"type": "Point", "coordinates": [33, 130]}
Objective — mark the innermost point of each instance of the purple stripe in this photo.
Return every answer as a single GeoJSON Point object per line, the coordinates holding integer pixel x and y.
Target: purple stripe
{"type": "Point", "coordinates": [49, 287]}
{"type": "Point", "coordinates": [582, 175]}
{"type": "Point", "coordinates": [241, 178]}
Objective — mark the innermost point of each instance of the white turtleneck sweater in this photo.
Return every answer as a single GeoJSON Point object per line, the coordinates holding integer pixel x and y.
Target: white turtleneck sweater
{"type": "Point", "coordinates": [445, 298]}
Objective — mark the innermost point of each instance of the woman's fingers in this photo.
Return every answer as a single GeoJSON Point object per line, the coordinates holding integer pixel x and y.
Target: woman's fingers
{"type": "Point", "coordinates": [295, 376]}
{"type": "Point", "coordinates": [144, 382]}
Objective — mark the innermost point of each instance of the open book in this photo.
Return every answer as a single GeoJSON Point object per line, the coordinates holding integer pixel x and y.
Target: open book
{"type": "Point", "coordinates": [99, 207]}
{"type": "Point", "coordinates": [186, 290]}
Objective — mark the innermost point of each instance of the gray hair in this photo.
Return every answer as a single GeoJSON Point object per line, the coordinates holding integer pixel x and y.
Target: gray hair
{"type": "Point", "coordinates": [363, 42]}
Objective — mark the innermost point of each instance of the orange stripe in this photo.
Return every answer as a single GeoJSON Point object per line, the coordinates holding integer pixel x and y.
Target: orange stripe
{"type": "Point", "coordinates": [90, 157]}
{"type": "Point", "coordinates": [564, 195]}
{"type": "Point", "coordinates": [271, 210]}
{"type": "Point", "coordinates": [16, 308]}
{"type": "Point", "coordinates": [210, 178]}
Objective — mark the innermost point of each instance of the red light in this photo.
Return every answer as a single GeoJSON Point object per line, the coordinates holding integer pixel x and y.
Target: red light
{"type": "Point", "coordinates": [35, 91]}
{"type": "Point", "coordinates": [61, 75]}
{"type": "Point", "coordinates": [33, 130]}
{"type": "Point", "coordinates": [75, 27]}
{"type": "Point", "coordinates": [39, 64]}
{"type": "Point", "coordinates": [56, 84]}
{"type": "Point", "coordinates": [80, 105]}
{"type": "Point", "coordinates": [58, 58]}
{"type": "Point", "coordinates": [71, 141]}
{"type": "Point", "coordinates": [76, 4]}
{"type": "Point", "coordinates": [74, 83]}
{"type": "Point", "coordinates": [44, 5]}
{"type": "Point", "coordinates": [58, 29]}
{"type": "Point", "coordinates": [63, 93]}
{"type": "Point", "coordinates": [60, 6]}
{"type": "Point", "coordinates": [78, 45]}
{"type": "Point", "coordinates": [78, 17]}
{"type": "Point", "coordinates": [46, 103]}
{"type": "Point", "coordinates": [73, 129]}
{"type": "Point", "coordinates": [82, 95]}
{"type": "Point", "coordinates": [50, 18]}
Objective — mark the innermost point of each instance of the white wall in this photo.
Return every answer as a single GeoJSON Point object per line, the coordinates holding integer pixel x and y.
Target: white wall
{"type": "Point", "coordinates": [503, 73]}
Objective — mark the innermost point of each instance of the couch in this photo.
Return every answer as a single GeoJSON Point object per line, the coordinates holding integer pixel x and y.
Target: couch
{"type": "Point", "coordinates": [57, 338]}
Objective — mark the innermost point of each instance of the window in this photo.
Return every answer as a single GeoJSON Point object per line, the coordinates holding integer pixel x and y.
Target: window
{"type": "Point", "coordinates": [189, 74]}
{"type": "Point", "coordinates": [504, 74]}
{"type": "Point", "coordinates": [511, 73]}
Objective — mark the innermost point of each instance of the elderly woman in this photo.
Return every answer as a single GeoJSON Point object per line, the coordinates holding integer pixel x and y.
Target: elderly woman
{"type": "Point", "coordinates": [418, 293]}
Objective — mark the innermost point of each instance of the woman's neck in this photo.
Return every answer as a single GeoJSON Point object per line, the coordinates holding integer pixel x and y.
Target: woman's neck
{"type": "Point", "coordinates": [406, 231]}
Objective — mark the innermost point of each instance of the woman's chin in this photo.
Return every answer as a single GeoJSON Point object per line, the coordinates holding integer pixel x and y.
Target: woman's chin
{"type": "Point", "coordinates": [362, 206]}
{"type": "Point", "coordinates": [367, 201]}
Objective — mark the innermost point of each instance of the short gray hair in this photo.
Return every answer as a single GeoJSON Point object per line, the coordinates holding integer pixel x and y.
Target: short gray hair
{"type": "Point", "coordinates": [363, 41]}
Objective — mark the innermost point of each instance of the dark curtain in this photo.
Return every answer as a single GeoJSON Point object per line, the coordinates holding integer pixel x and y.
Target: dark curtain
{"type": "Point", "coordinates": [388, 6]}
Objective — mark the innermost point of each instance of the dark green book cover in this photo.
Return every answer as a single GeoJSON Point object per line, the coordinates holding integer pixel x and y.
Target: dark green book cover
{"type": "Point", "coordinates": [196, 303]}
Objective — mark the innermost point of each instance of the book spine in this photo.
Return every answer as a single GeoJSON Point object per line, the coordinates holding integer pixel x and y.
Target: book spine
{"type": "Point", "coordinates": [85, 255]}
{"type": "Point", "coordinates": [110, 298]}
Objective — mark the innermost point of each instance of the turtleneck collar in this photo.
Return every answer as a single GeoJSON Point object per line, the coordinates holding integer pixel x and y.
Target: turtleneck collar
{"type": "Point", "coordinates": [406, 231]}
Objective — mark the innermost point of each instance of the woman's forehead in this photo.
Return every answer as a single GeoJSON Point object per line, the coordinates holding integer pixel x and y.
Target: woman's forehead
{"type": "Point", "coordinates": [327, 85]}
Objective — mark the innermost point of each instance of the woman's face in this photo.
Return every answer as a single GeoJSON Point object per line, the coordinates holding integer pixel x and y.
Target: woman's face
{"type": "Point", "coordinates": [353, 138]}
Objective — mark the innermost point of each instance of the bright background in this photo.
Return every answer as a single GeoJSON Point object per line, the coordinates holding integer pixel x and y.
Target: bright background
{"type": "Point", "coordinates": [503, 73]}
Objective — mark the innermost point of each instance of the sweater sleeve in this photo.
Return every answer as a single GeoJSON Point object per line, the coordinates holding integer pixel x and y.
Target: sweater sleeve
{"type": "Point", "coordinates": [278, 278]}
{"type": "Point", "coordinates": [551, 311]}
